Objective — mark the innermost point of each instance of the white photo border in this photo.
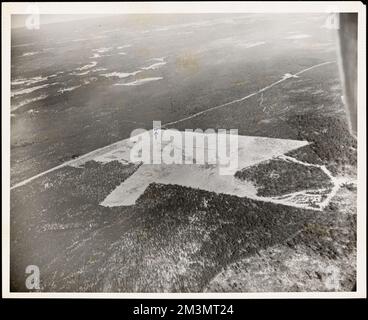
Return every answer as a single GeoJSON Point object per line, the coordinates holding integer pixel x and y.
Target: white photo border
{"type": "Point", "coordinates": [9, 8]}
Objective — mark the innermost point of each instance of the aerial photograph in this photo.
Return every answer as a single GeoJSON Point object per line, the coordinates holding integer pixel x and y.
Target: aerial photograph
{"type": "Point", "coordinates": [182, 153]}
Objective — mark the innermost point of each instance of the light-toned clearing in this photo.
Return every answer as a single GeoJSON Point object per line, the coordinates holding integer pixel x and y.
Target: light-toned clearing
{"type": "Point", "coordinates": [55, 74]}
{"type": "Point", "coordinates": [29, 81]}
{"type": "Point", "coordinates": [95, 55]}
{"type": "Point", "coordinates": [27, 101]}
{"type": "Point", "coordinates": [120, 75]}
{"type": "Point", "coordinates": [29, 90]}
{"type": "Point", "coordinates": [139, 81]}
{"type": "Point", "coordinates": [103, 50]}
{"type": "Point", "coordinates": [87, 66]}
{"type": "Point", "coordinates": [124, 46]}
{"type": "Point", "coordinates": [99, 69]}
{"type": "Point", "coordinates": [34, 80]}
{"type": "Point", "coordinates": [31, 111]}
{"type": "Point", "coordinates": [251, 151]}
{"type": "Point", "coordinates": [289, 75]}
{"type": "Point", "coordinates": [87, 71]}
{"type": "Point", "coordinates": [158, 59]}
{"type": "Point", "coordinates": [62, 90]}
{"type": "Point", "coordinates": [154, 66]}
{"type": "Point", "coordinates": [26, 54]}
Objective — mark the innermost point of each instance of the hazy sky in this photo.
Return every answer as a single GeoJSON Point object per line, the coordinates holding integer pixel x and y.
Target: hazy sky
{"type": "Point", "coordinates": [18, 20]}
